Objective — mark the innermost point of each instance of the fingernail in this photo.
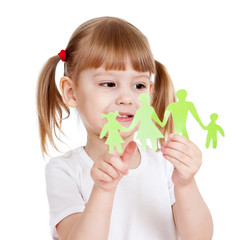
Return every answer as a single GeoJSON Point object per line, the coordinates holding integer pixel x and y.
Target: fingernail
{"type": "Point", "coordinates": [171, 135]}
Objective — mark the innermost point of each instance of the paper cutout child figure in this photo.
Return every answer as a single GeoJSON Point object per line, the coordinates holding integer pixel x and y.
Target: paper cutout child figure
{"type": "Point", "coordinates": [147, 129]}
{"type": "Point", "coordinates": [179, 111]}
{"type": "Point", "coordinates": [212, 131]}
{"type": "Point", "coordinates": [112, 127]}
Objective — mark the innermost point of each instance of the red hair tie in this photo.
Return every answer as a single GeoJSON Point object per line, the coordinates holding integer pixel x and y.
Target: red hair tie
{"type": "Point", "coordinates": [62, 55]}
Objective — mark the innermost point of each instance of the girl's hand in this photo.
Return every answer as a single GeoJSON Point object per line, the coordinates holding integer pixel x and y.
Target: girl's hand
{"type": "Point", "coordinates": [108, 171]}
{"type": "Point", "coordinates": [185, 156]}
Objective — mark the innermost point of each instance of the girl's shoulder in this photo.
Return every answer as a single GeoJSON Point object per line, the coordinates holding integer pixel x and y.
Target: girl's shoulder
{"type": "Point", "coordinates": [68, 162]}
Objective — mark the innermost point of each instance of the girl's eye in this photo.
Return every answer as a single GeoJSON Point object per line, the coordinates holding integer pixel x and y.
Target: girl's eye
{"type": "Point", "coordinates": [139, 86]}
{"type": "Point", "coordinates": [108, 84]}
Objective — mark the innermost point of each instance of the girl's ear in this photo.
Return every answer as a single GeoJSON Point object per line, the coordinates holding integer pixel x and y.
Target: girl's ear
{"type": "Point", "coordinates": [151, 85]}
{"type": "Point", "coordinates": [68, 91]}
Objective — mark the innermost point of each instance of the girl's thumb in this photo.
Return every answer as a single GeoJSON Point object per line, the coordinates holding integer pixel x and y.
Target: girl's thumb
{"type": "Point", "coordinates": [129, 151]}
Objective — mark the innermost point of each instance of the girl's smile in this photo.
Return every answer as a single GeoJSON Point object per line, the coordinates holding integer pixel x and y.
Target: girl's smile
{"type": "Point", "coordinates": [125, 118]}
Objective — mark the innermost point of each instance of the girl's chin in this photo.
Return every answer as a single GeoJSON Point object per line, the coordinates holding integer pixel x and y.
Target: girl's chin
{"type": "Point", "coordinates": [128, 135]}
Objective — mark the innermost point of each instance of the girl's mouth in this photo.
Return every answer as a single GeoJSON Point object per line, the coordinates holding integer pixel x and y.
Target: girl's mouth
{"type": "Point", "coordinates": [123, 117]}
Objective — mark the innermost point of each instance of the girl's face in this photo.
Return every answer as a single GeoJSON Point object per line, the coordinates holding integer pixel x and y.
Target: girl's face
{"type": "Point", "coordinates": [100, 91]}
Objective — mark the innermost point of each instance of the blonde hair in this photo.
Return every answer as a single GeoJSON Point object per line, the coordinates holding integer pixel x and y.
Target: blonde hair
{"type": "Point", "coordinates": [104, 41]}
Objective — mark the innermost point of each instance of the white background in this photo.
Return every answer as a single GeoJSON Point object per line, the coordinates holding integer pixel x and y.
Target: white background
{"type": "Point", "coordinates": [195, 40]}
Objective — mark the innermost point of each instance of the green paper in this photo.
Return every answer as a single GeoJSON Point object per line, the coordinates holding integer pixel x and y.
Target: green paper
{"type": "Point", "coordinates": [145, 117]}
{"type": "Point", "coordinates": [179, 111]}
{"type": "Point", "coordinates": [147, 129]}
{"type": "Point", "coordinates": [112, 127]}
{"type": "Point", "coordinates": [213, 128]}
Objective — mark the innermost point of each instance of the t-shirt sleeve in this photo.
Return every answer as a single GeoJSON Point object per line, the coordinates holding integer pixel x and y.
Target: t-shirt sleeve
{"type": "Point", "coordinates": [169, 172]}
{"type": "Point", "coordinates": [63, 193]}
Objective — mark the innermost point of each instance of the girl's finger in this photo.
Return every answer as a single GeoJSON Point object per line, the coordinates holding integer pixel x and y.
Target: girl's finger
{"type": "Point", "coordinates": [186, 149]}
{"type": "Point", "coordinates": [129, 151]}
{"type": "Point", "coordinates": [121, 164]}
{"type": "Point", "coordinates": [184, 140]}
{"type": "Point", "coordinates": [108, 169]}
{"type": "Point", "coordinates": [187, 142]}
{"type": "Point", "coordinates": [177, 155]}
{"type": "Point", "coordinates": [181, 139]}
{"type": "Point", "coordinates": [177, 164]}
{"type": "Point", "coordinates": [100, 175]}
{"type": "Point", "coordinates": [118, 164]}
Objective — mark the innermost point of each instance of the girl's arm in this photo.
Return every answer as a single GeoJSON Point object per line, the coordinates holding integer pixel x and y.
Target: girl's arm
{"type": "Point", "coordinates": [94, 222]}
{"type": "Point", "coordinates": [192, 216]}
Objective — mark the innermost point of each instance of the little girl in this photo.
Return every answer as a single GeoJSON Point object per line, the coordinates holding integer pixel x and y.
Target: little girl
{"type": "Point", "coordinates": [130, 196]}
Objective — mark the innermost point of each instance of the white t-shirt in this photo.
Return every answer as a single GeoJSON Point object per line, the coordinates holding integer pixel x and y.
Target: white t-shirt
{"type": "Point", "coordinates": [142, 202]}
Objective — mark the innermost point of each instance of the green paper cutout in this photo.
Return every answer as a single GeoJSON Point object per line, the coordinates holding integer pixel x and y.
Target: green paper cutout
{"type": "Point", "coordinates": [146, 115]}
{"type": "Point", "coordinates": [179, 111]}
{"type": "Point", "coordinates": [112, 127]}
{"type": "Point", "coordinates": [147, 129]}
{"type": "Point", "coordinates": [213, 128]}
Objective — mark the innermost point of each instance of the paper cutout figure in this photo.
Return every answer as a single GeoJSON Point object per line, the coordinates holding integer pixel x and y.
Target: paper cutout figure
{"type": "Point", "coordinates": [179, 111]}
{"type": "Point", "coordinates": [147, 129]}
{"type": "Point", "coordinates": [112, 127]}
{"type": "Point", "coordinates": [145, 116]}
{"type": "Point", "coordinates": [213, 128]}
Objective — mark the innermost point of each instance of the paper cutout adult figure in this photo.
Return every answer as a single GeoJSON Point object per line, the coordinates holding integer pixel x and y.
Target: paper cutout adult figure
{"type": "Point", "coordinates": [179, 111]}
{"type": "Point", "coordinates": [112, 127]}
{"type": "Point", "coordinates": [213, 128]}
{"type": "Point", "coordinates": [147, 129]}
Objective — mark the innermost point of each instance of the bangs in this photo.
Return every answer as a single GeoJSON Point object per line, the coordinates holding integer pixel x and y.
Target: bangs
{"type": "Point", "coordinates": [110, 43]}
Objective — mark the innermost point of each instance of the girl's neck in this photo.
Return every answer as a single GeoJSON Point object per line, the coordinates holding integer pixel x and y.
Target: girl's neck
{"type": "Point", "coordinates": [96, 148]}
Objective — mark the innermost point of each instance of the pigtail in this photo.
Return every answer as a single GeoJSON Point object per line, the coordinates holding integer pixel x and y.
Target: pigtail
{"type": "Point", "coordinates": [163, 94]}
{"type": "Point", "coordinates": [49, 104]}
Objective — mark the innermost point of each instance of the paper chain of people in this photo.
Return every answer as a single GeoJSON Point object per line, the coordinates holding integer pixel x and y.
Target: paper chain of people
{"type": "Point", "coordinates": [146, 116]}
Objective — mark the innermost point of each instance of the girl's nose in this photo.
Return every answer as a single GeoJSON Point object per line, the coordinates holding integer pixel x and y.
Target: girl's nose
{"type": "Point", "coordinates": [125, 98]}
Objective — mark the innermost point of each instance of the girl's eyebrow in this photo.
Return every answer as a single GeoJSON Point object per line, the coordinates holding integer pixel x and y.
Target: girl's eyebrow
{"type": "Point", "coordinates": [143, 76]}
{"type": "Point", "coordinates": [110, 72]}
{"type": "Point", "coordinates": [99, 73]}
